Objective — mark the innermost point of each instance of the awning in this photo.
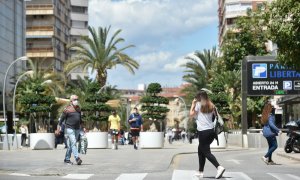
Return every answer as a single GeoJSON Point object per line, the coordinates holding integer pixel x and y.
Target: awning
{"type": "Point", "coordinates": [289, 100]}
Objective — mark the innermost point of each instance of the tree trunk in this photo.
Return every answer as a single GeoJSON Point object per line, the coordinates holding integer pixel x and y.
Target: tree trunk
{"type": "Point", "coordinates": [102, 77]}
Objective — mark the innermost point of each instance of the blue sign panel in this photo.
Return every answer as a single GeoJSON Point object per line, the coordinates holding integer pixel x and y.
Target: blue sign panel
{"type": "Point", "coordinates": [268, 77]}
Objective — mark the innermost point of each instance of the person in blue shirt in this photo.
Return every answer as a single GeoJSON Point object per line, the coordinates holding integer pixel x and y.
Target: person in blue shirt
{"type": "Point", "coordinates": [270, 131]}
{"type": "Point", "coordinates": [136, 125]}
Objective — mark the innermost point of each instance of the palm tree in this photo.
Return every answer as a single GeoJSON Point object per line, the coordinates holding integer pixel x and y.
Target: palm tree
{"type": "Point", "coordinates": [199, 71]}
{"type": "Point", "coordinates": [55, 80]}
{"type": "Point", "coordinates": [39, 86]}
{"type": "Point", "coordinates": [199, 67]}
{"type": "Point", "coordinates": [101, 54]}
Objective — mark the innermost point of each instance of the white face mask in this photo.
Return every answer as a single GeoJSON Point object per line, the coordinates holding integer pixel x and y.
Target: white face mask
{"type": "Point", "coordinates": [75, 103]}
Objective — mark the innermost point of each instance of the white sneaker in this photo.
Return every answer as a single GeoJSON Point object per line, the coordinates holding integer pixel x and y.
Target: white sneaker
{"type": "Point", "coordinates": [199, 174]}
{"type": "Point", "coordinates": [266, 160]}
{"type": "Point", "coordinates": [112, 146]}
{"type": "Point", "coordinates": [220, 172]}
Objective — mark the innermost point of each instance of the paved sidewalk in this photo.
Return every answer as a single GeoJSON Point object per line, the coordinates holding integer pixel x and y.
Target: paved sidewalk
{"type": "Point", "coordinates": [292, 155]}
{"type": "Point", "coordinates": [99, 161]}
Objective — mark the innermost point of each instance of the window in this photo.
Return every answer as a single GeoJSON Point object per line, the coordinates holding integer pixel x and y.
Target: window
{"type": "Point", "coordinates": [78, 9]}
{"type": "Point", "coordinates": [79, 24]}
{"type": "Point", "coordinates": [58, 65]}
{"type": "Point", "coordinates": [260, 6]}
{"type": "Point", "coordinates": [238, 7]}
{"type": "Point", "coordinates": [230, 21]}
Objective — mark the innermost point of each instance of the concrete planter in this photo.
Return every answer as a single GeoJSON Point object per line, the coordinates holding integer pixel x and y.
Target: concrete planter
{"type": "Point", "coordinates": [16, 143]}
{"type": "Point", "coordinates": [151, 140]}
{"type": "Point", "coordinates": [40, 141]}
{"type": "Point", "coordinates": [97, 140]}
{"type": "Point", "coordinates": [222, 141]}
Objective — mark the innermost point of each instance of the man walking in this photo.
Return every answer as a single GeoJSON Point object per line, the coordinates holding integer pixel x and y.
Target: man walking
{"type": "Point", "coordinates": [114, 128]}
{"type": "Point", "coordinates": [136, 125]}
{"type": "Point", "coordinates": [71, 117]}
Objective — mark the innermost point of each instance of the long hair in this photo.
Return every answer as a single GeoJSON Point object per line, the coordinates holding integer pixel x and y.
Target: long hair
{"type": "Point", "coordinates": [265, 113]}
{"type": "Point", "coordinates": [208, 106]}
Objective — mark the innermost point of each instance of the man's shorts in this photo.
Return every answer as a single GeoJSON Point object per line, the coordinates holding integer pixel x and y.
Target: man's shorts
{"type": "Point", "coordinates": [114, 132]}
{"type": "Point", "coordinates": [135, 132]}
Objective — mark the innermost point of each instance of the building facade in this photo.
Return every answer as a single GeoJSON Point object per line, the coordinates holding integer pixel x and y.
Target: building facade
{"type": "Point", "coordinates": [230, 10]}
{"type": "Point", "coordinates": [48, 32]}
{"type": "Point", "coordinates": [12, 42]}
{"type": "Point", "coordinates": [79, 27]}
{"type": "Point", "coordinates": [178, 113]}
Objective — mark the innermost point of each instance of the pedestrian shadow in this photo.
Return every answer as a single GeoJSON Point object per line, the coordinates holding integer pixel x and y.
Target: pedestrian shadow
{"type": "Point", "coordinates": [274, 164]}
{"type": "Point", "coordinates": [86, 164]}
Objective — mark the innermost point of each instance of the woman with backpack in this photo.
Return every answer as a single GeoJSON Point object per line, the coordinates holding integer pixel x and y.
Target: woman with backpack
{"type": "Point", "coordinates": [270, 131]}
{"type": "Point", "coordinates": [203, 110]}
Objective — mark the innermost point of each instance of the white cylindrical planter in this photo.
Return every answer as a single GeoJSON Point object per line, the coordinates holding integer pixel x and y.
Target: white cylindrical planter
{"type": "Point", "coordinates": [97, 140]}
{"type": "Point", "coordinates": [19, 139]}
{"type": "Point", "coordinates": [41, 141]}
{"type": "Point", "coordinates": [151, 139]}
{"type": "Point", "coordinates": [222, 141]}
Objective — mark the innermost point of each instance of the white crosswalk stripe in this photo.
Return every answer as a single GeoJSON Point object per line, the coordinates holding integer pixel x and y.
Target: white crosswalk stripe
{"type": "Point", "coordinates": [19, 174]}
{"type": "Point", "coordinates": [236, 176]}
{"type": "Point", "coordinates": [133, 176]}
{"type": "Point", "coordinates": [184, 174]}
{"type": "Point", "coordinates": [189, 175]}
{"type": "Point", "coordinates": [284, 176]}
{"type": "Point", "coordinates": [78, 176]}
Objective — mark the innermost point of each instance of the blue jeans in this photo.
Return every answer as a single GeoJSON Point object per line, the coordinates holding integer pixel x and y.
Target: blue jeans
{"type": "Point", "coordinates": [272, 147]}
{"type": "Point", "coordinates": [71, 136]}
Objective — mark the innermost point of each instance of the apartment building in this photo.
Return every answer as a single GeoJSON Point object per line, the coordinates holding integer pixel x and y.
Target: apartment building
{"type": "Point", "coordinates": [178, 109]}
{"type": "Point", "coordinates": [12, 42]}
{"type": "Point", "coordinates": [79, 19]}
{"type": "Point", "coordinates": [230, 10]}
{"type": "Point", "coordinates": [79, 27]}
{"type": "Point", "coordinates": [48, 32]}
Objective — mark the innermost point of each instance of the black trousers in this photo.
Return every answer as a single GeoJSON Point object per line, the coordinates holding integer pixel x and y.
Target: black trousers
{"type": "Point", "coordinates": [23, 139]}
{"type": "Point", "coordinates": [205, 138]}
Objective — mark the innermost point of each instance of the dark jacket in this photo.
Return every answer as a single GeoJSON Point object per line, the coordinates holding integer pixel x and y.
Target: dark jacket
{"type": "Point", "coordinates": [137, 123]}
{"type": "Point", "coordinates": [71, 117]}
{"type": "Point", "coordinates": [270, 129]}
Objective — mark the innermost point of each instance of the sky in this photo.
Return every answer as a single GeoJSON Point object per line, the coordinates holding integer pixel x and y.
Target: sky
{"type": "Point", "coordinates": [163, 32]}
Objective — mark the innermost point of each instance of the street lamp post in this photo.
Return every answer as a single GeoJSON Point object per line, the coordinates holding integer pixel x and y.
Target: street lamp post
{"type": "Point", "coordinates": [186, 112]}
{"type": "Point", "coordinates": [15, 144]}
{"type": "Point", "coordinates": [24, 58]}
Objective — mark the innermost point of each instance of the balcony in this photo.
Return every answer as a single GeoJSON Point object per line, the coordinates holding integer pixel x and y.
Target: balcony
{"type": "Point", "coordinates": [82, 3]}
{"type": "Point", "coordinates": [39, 32]}
{"type": "Point", "coordinates": [79, 17]}
{"type": "Point", "coordinates": [79, 32]}
{"type": "Point", "coordinates": [39, 9]}
{"type": "Point", "coordinates": [233, 14]}
{"type": "Point", "coordinates": [40, 52]}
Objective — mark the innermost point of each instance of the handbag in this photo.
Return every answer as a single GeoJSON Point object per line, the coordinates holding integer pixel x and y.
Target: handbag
{"type": "Point", "coordinates": [218, 124]}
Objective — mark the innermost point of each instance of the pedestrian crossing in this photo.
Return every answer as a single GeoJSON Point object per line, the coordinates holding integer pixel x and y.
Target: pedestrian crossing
{"type": "Point", "coordinates": [188, 174]}
{"type": "Point", "coordinates": [284, 176]}
{"type": "Point", "coordinates": [178, 175]}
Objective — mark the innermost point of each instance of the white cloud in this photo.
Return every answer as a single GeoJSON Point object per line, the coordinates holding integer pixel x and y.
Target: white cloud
{"type": "Point", "coordinates": [175, 66]}
{"type": "Point", "coordinates": [159, 29]}
{"type": "Point", "coordinates": [153, 61]}
{"type": "Point", "coordinates": [153, 21]}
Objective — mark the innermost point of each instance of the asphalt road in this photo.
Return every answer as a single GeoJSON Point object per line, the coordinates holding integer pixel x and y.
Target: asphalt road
{"type": "Point", "coordinates": [174, 162]}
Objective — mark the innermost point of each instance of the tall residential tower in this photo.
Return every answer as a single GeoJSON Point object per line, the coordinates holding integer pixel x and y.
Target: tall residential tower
{"type": "Point", "coordinates": [79, 27]}
{"type": "Point", "coordinates": [48, 32]}
{"type": "Point", "coordinates": [229, 10]}
{"type": "Point", "coordinates": [12, 41]}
